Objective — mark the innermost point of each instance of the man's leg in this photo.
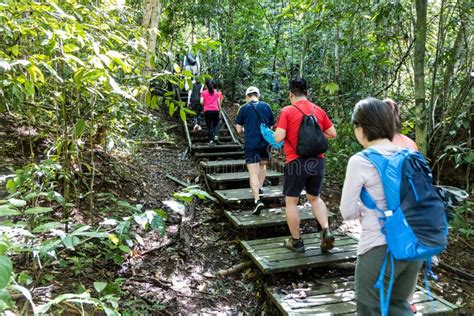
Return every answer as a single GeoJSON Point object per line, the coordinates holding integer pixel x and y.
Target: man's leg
{"type": "Point", "coordinates": [262, 172]}
{"type": "Point", "coordinates": [254, 182]}
{"type": "Point", "coordinates": [292, 187]}
{"type": "Point", "coordinates": [292, 216]}
{"type": "Point", "coordinates": [319, 209]}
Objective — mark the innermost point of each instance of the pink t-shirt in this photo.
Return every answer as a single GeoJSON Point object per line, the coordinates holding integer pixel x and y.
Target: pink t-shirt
{"type": "Point", "coordinates": [404, 142]}
{"type": "Point", "coordinates": [211, 101]}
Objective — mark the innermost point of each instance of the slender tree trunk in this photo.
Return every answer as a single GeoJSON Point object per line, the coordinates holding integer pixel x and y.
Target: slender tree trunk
{"type": "Point", "coordinates": [303, 53]}
{"type": "Point", "coordinates": [150, 22]}
{"type": "Point", "coordinates": [337, 69]}
{"type": "Point", "coordinates": [419, 68]}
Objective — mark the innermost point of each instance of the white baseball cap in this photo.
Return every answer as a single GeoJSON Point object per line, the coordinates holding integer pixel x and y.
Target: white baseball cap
{"type": "Point", "coordinates": [252, 90]}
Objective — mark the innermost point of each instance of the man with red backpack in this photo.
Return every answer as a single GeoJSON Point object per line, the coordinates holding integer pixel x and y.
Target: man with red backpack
{"type": "Point", "coordinates": [304, 128]}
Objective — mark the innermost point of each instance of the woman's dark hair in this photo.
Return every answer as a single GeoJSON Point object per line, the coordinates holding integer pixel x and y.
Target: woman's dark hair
{"type": "Point", "coordinates": [375, 118]}
{"type": "Point", "coordinates": [210, 86]}
{"type": "Point", "coordinates": [299, 86]}
{"type": "Point", "coordinates": [396, 113]}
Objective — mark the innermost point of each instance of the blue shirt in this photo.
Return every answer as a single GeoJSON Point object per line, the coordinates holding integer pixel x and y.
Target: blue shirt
{"type": "Point", "coordinates": [251, 123]}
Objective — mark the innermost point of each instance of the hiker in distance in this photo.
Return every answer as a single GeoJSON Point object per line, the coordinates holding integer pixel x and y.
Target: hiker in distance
{"type": "Point", "coordinates": [304, 127]}
{"type": "Point", "coordinates": [248, 121]}
{"type": "Point", "coordinates": [194, 101]}
{"type": "Point", "coordinates": [211, 100]}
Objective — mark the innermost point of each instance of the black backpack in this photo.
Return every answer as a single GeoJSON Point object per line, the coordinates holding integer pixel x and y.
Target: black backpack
{"type": "Point", "coordinates": [191, 60]}
{"type": "Point", "coordinates": [311, 140]}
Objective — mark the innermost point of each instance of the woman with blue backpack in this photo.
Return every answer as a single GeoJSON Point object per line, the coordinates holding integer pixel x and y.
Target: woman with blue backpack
{"type": "Point", "coordinates": [389, 190]}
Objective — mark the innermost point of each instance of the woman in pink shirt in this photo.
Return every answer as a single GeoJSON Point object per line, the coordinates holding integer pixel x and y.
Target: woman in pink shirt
{"type": "Point", "coordinates": [399, 139]}
{"type": "Point", "coordinates": [211, 99]}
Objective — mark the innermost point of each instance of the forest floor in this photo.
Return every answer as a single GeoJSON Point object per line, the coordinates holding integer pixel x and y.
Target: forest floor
{"type": "Point", "coordinates": [168, 275]}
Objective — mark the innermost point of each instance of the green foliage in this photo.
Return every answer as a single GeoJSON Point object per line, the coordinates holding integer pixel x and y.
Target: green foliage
{"type": "Point", "coordinates": [463, 219]}
{"type": "Point", "coordinates": [188, 194]}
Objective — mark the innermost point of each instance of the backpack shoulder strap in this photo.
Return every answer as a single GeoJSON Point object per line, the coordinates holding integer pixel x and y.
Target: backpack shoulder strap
{"type": "Point", "coordinates": [259, 117]}
{"type": "Point", "coordinates": [390, 170]}
{"type": "Point", "coordinates": [299, 109]}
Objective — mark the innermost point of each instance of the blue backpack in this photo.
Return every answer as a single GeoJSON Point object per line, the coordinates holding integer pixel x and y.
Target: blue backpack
{"type": "Point", "coordinates": [414, 224]}
{"type": "Point", "coordinates": [266, 132]}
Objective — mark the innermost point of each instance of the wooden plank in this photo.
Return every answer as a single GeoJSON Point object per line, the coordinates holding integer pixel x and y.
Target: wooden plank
{"type": "Point", "coordinates": [245, 194]}
{"type": "Point", "coordinates": [268, 217]}
{"type": "Point", "coordinates": [203, 138]}
{"type": "Point", "coordinates": [336, 296]}
{"type": "Point", "coordinates": [278, 252]}
{"type": "Point", "coordinates": [280, 239]}
{"type": "Point", "coordinates": [215, 148]}
{"type": "Point", "coordinates": [239, 176]}
{"type": "Point", "coordinates": [223, 163]}
{"type": "Point", "coordinates": [271, 256]}
{"type": "Point", "coordinates": [214, 155]}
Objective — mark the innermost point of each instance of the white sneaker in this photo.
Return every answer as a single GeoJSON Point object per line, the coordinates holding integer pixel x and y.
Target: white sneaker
{"type": "Point", "coordinates": [199, 128]}
{"type": "Point", "coordinates": [196, 128]}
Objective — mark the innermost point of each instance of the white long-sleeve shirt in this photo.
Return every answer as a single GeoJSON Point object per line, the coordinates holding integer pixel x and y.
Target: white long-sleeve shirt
{"type": "Point", "coordinates": [362, 173]}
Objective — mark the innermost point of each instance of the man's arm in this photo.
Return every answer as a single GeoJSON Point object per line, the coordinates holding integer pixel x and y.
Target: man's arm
{"type": "Point", "coordinates": [330, 132]}
{"type": "Point", "coordinates": [239, 129]}
{"type": "Point", "coordinates": [280, 134]}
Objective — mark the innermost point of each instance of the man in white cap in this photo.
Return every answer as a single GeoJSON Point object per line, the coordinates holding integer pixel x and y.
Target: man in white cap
{"type": "Point", "coordinates": [248, 121]}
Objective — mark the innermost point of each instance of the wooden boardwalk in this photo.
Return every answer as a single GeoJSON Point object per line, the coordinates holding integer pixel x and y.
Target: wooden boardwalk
{"type": "Point", "coordinates": [268, 217]}
{"type": "Point", "coordinates": [271, 256]}
{"type": "Point", "coordinates": [245, 195]}
{"type": "Point", "coordinates": [335, 296]}
{"type": "Point", "coordinates": [239, 176]}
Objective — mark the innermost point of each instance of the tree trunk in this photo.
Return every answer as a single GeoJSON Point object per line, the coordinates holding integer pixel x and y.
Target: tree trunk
{"type": "Point", "coordinates": [337, 63]}
{"type": "Point", "coordinates": [419, 68]}
{"type": "Point", "coordinates": [150, 22]}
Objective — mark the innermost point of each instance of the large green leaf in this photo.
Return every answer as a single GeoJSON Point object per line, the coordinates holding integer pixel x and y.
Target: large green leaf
{"type": "Point", "coordinates": [38, 210]}
{"type": "Point", "coordinates": [6, 269]}
{"type": "Point", "coordinates": [158, 224]}
{"type": "Point", "coordinates": [17, 202]}
{"type": "Point", "coordinates": [80, 298]}
{"type": "Point", "coordinates": [6, 301]}
{"type": "Point", "coordinates": [6, 210]}
{"type": "Point", "coordinates": [47, 227]}
{"type": "Point", "coordinates": [100, 286]}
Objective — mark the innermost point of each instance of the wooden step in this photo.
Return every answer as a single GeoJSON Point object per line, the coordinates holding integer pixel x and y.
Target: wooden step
{"type": "Point", "coordinates": [229, 164]}
{"type": "Point", "coordinates": [239, 176]}
{"type": "Point", "coordinates": [202, 139]}
{"type": "Point", "coordinates": [336, 296]}
{"type": "Point", "coordinates": [245, 194]}
{"type": "Point", "coordinates": [205, 147]}
{"type": "Point", "coordinates": [271, 256]}
{"type": "Point", "coordinates": [219, 155]}
{"type": "Point", "coordinates": [268, 217]}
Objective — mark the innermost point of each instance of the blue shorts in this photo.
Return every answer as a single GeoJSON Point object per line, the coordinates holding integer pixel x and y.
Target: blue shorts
{"type": "Point", "coordinates": [254, 155]}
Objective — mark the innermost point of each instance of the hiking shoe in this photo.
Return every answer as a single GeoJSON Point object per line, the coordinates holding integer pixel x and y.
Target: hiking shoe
{"type": "Point", "coordinates": [258, 208]}
{"type": "Point", "coordinates": [327, 240]}
{"type": "Point", "coordinates": [216, 140]}
{"type": "Point", "coordinates": [297, 245]}
{"type": "Point", "coordinates": [211, 143]}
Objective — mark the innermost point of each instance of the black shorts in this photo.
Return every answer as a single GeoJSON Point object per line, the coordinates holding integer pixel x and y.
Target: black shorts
{"type": "Point", "coordinates": [307, 173]}
{"type": "Point", "coordinates": [254, 155]}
